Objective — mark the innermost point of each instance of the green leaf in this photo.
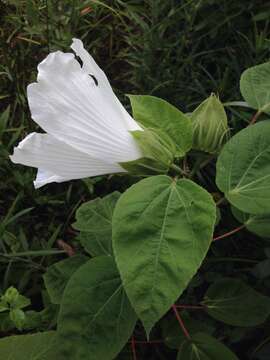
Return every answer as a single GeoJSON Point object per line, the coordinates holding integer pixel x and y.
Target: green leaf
{"type": "Point", "coordinates": [255, 87]}
{"type": "Point", "coordinates": [94, 220]}
{"type": "Point", "coordinates": [58, 274]}
{"type": "Point", "coordinates": [257, 224]}
{"type": "Point", "coordinates": [162, 230]}
{"type": "Point", "coordinates": [21, 302]}
{"type": "Point", "coordinates": [11, 295]}
{"type": "Point", "coordinates": [210, 125]}
{"type": "Point", "coordinates": [243, 169]}
{"type": "Point", "coordinates": [12, 299]}
{"type": "Point", "coordinates": [235, 303]}
{"type": "Point", "coordinates": [39, 346]}
{"type": "Point", "coordinates": [3, 306]}
{"type": "Point", "coordinates": [156, 113]}
{"type": "Point", "coordinates": [6, 324]}
{"type": "Point", "coordinates": [204, 347]}
{"type": "Point", "coordinates": [173, 335]}
{"type": "Point", "coordinates": [96, 318]}
{"type": "Point", "coordinates": [17, 316]}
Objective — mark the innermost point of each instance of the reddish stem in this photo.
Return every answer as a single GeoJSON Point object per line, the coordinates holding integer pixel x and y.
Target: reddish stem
{"type": "Point", "coordinates": [254, 118]}
{"type": "Point", "coordinates": [229, 233]}
{"type": "Point", "coordinates": [181, 323]}
{"type": "Point", "coordinates": [133, 348]}
{"type": "Point", "coordinates": [66, 247]}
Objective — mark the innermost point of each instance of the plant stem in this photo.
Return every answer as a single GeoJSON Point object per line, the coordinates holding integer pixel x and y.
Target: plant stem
{"type": "Point", "coordinates": [255, 117]}
{"type": "Point", "coordinates": [181, 323]}
{"type": "Point", "coordinates": [66, 247]}
{"type": "Point", "coordinates": [178, 169]}
{"type": "Point", "coordinates": [34, 253]}
{"type": "Point", "coordinates": [229, 233]}
{"type": "Point", "coordinates": [133, 348]}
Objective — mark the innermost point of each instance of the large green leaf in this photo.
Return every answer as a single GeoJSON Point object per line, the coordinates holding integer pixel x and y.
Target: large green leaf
{"type": "Point", "coordinates": [153, 112]}
{"type": "Point", "coordinates": [255, 87]}
{"type": "Point", "coordinates": [243, 169]}
{"type": "Point", "coordinates": [58, 274]}
{"type": "Point", "coordinates": [39, 346]}
{"type": "Point", "coordinates": [96, 318]}
{"type": "Point", "coordinates": [204, 347]}
{"type": "Point", "coordinates": [162, 229]}
{"type": "Point", "coordinates": [94, 220]}
{"type": "Point", "coordinates": [257, 224]}
{"type": "Point", "coordinates": [210, 125]}
{"type": "Point", "coordinates": [235, 303]}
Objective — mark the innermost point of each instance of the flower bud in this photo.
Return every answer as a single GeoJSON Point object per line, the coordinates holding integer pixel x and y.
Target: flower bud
{"type": "Point", "coordinates": [210, 126]}
{"type": "Point", "coordinates": [158, 153]}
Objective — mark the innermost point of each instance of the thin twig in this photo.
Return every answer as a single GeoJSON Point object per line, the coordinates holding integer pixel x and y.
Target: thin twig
{"type": "Point", "coordinates": [181, 323]}
{"type": "Point", "coordinates": [229, 233]}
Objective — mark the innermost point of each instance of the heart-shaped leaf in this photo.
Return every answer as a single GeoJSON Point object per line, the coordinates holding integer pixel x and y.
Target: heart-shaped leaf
{"type": "Point", "coordinates": [162, 229]}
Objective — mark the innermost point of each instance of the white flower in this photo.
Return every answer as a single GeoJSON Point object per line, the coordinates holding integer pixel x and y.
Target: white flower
{"type": "Point", "coordinates": [88, 129]}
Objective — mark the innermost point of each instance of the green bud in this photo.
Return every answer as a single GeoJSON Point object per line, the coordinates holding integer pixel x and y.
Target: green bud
{"type": "Point", "coordinates": [158, 153]}
{"type": "Point", "coordinates": [11, 295]}
{"type": "Point", "coordinates": [210, 125]}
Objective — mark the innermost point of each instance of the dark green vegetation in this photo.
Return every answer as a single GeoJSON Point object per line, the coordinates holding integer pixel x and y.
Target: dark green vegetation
{"type": "Point", "coordinates": [178, 50]}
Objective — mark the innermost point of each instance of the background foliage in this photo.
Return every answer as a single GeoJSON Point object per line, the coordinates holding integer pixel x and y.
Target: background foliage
{"type": "Point", "coordinates": [178, 50]}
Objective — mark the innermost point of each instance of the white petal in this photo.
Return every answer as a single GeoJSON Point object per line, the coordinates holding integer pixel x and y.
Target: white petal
{"type": "Point", "coordinates": [89, 64]}
{"type": "Point", "coordinates": [45, 177]}
{"type": "Point", "coordinates": [91, 67]}
{"type": "Point", "coordinates": [67, 104]}
{"type": "Point", "coordinates": [58, 161]}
